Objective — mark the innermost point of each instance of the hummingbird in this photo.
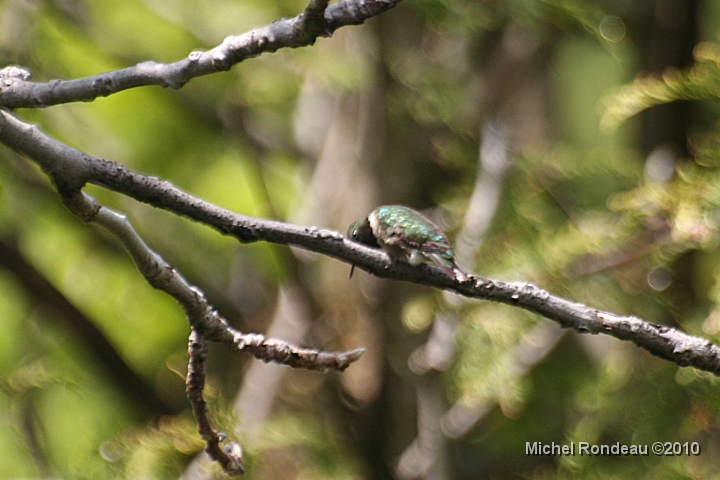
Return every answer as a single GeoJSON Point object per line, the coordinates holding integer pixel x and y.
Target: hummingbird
{"type": "Point", "coordinates": [407, 236]}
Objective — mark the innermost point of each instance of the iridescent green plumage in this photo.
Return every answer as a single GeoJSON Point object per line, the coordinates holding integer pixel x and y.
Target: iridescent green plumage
{"type": "Point", "coordinates": [407, 236]}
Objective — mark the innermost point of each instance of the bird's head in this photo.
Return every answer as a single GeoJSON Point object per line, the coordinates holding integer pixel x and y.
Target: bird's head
{"type": "Point", "coordinates": [361, 232]}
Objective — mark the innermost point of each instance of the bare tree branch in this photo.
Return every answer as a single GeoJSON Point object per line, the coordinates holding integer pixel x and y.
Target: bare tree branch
{"type": "Point", "coordinates": [319, 19]}
{"type": "Point", "coordinates": [312, 20]}
{"type": "Point", "coordinates": [206, 323]}
{"type": "Point", "coordinates": [201, 315]}
{"type": "Point", "coordinates": [70, 169]}
{"type": "Point", "coordinates": [229, 457]}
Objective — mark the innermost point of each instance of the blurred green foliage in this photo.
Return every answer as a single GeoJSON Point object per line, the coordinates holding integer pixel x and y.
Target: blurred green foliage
{"type": "Point", "coordinates": [701, 82]}
{"type": "Point", "coordinates": [586, 211]}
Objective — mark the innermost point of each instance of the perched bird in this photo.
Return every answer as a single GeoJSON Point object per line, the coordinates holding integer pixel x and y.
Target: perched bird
{"type": "Point", "coordinates": [406, 236]}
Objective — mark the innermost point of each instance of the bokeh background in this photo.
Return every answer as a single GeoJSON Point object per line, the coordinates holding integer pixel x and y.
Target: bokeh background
{"type": "Point", "coordinates": [573, 144]}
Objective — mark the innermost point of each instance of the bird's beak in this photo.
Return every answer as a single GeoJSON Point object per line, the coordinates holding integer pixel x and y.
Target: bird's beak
{"type": "Point", "coordinates": [352, 269]}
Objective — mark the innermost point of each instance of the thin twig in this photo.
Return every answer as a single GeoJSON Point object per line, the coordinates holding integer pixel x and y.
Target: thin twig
{"type": "Point", "coordinates": [230, 457]}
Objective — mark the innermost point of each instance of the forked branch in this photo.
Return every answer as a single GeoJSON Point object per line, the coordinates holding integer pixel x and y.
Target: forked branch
{"type": "Point", "coordinates": [71, 169]}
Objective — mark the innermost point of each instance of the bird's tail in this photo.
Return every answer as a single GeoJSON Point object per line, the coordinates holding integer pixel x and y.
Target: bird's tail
{"type": "Point", "coordinates": [448, 266]}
